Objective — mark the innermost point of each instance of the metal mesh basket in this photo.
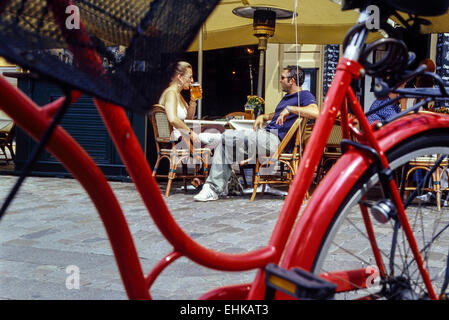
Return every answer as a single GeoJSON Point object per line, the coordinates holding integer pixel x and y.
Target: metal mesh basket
{"type": "Point", "coordinates": [137, 43]}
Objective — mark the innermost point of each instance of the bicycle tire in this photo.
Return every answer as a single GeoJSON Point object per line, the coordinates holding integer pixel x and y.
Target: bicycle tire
{"type": "Point", "coordinates": [340, 251]}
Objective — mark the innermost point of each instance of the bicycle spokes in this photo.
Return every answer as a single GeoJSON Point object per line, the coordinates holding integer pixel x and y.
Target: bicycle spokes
{"type": "Point", "coordinates": [422, 179]}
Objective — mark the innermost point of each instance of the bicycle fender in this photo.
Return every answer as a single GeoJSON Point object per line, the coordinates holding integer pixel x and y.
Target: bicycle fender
{"type": "Point", "coordinates": [307, 236]}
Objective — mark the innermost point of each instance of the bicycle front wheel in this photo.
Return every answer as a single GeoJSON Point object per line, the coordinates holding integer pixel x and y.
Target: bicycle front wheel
{"type": "Point", "coordinates": [425, 193]}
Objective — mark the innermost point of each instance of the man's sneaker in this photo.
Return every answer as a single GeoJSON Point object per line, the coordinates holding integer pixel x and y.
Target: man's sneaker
{"type": "Point", "coordinates": [206, 194]}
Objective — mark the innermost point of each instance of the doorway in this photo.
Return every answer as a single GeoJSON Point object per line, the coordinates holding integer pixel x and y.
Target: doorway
{"type": "Point", "coordinates": [227, 75]}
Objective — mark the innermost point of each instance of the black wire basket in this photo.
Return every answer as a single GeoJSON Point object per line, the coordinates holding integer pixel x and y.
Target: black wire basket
{"type": "Point", "coordinates": [137, 42]}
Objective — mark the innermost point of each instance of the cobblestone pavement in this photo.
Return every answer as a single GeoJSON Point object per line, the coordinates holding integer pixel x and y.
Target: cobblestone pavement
{"type": "Point", "coordinates": [52, 225]}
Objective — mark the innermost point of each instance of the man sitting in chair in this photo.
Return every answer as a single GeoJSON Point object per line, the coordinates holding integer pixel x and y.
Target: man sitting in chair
{"type": "Point", "coordinates": [237, 145]}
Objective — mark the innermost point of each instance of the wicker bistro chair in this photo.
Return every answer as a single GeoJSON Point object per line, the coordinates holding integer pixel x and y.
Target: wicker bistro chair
{"type": "Point", "coordinates": [425, 164]}
{"type": "Point", "coordinates": [6, 142]}
{"type": "Point", "coordinates": [288, 162]}
{"type": "Point", "coordinates": [332, 152]}
{"type": "Point", "coordinates": [178, 153]}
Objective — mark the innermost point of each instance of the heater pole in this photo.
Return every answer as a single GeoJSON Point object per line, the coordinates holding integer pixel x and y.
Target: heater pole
{"type": "Point", "coordinates": [261, 71]}
{"type": "Point", "coordinates": [264, 23]}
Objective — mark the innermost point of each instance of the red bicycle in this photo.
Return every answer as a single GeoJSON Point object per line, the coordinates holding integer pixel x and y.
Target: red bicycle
{"type": "Point", "coordinates": [400, 254]}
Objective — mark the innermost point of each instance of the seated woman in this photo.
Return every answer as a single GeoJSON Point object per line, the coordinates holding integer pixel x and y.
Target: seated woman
{"type": "Point", "coordinates": [176, 107]}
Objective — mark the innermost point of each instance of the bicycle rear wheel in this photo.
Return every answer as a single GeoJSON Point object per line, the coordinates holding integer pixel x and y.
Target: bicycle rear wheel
{"type": "Point", "coordinates": [346, 245]}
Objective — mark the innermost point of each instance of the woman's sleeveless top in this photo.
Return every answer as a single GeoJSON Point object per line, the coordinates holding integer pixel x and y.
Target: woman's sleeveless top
{"type": "Point", "coordinates": [182, 115]}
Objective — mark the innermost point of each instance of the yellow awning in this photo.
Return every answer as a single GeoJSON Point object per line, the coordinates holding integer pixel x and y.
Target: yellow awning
{"type": "Point", "coordinates": [439, 24]}
{"type": "Point", "coordinates": [319, 22]}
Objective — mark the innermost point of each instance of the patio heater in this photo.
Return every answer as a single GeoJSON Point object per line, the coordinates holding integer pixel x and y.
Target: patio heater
{"type": "Point", "coordinates": [264, 23]}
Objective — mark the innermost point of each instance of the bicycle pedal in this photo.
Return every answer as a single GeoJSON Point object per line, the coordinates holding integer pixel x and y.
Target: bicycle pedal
{"type": "Point", "coordinates": [297, 283]}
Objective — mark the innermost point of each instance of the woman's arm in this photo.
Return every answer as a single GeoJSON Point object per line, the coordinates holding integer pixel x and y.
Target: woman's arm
{"type": "Point", "coordinates": [191, 109]}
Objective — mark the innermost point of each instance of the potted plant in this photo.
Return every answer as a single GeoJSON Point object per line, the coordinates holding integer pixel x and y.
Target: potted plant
{"type": "Point", "coordinates": [254, 106]}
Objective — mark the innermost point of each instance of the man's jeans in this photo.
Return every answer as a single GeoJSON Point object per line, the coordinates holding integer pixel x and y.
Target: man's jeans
{"type": "Point", "coordinates": [235, 147]}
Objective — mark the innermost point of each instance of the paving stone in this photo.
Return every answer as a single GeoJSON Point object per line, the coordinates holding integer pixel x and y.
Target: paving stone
{"type": "Point", "coordinates": [52, 225]}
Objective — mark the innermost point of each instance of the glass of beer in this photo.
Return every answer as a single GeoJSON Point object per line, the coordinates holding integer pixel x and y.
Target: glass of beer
{"type": "Point", "coordinates": [249, 112]}
{"type": "Point", "coordinates": [195, 91]}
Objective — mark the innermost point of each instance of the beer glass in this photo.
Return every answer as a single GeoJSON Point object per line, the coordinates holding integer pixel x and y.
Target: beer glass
{"type": "Point", "coordinates": [249, 112]}
{"type": "Point", "coordinates": [195, 91]}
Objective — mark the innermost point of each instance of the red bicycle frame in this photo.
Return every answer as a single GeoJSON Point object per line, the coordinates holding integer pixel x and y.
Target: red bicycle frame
{"type": "Point", "coordinates": [290, 245]}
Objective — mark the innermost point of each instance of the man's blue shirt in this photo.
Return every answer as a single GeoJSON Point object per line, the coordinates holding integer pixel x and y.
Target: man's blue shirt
{"type": "Point", "coordinates": [385, 113]}
{"type": "Point", "coordinates": [305, 98]}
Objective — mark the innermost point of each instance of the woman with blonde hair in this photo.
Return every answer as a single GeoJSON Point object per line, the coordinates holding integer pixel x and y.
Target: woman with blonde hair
{"type": "Point", "coordinates": [175, 105]}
